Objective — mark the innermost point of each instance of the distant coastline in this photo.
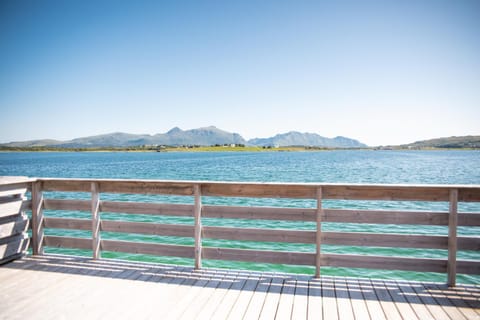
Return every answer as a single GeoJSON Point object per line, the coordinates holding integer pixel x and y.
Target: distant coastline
{"type": "Point", "coordinates": [174, 149]}
{"type": "Point", "coordinates": [223, 149]}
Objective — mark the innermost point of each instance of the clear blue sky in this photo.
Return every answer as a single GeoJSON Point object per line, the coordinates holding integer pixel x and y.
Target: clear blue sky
{"type": "Point", "coordinates": [383, 72]}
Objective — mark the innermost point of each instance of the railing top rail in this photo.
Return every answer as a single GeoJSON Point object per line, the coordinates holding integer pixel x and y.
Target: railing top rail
{"type": "Point", "coordinates": [15, 180]}
{"type": "Point", "coordinates": [339, 191]}
{"type": "Point", "coordinates": [264, 183]}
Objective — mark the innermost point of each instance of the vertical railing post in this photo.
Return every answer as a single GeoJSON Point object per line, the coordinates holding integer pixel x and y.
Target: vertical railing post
{"type": "Point", "coordinates": [198, 226]}
{"type": "Point", "coordinates": [319, 213]}
{"type": "Point", "coordinates": [452, 238]}
{"type": "Point", "coordinates": [37, 218]}
{"type": "Point", "coordinates": [95, 221]}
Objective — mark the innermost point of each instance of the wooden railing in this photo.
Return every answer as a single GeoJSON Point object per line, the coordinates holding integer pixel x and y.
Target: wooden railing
{"type": "Point", "coordinates": [453, 194]}
{"type": "Point", "coordinates": [14, 239]}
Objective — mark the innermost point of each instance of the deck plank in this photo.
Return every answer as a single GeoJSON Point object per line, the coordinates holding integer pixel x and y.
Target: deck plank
{"type": "Point", "coordinates": [190, 303]}
{"type": "Point", "coordinates": [209, 308]}
{"type": "Point", "coordinates": [462, 305]}
{"type": "Point", "coordinates": [451, 300]}
{"type": "Point", "coordinates": [243, 299]}
{"type": "Point", "coordinates": [388, 306]}
{"type": "Point", "coordinates": [373, 304]}
{"type": "Point", "coordinates": [417, 305]}
{"type": "Point", "coordinates": [230, 297]}
{"type": "Point", "coordinates": [51, 287]}
{"type": "Point", "coordinates": [433, 307]}
{"type": "Point", "coordinates": [255, 306]}
{"type": "Point", "coordinates": [285, 304]}
{"type": "Point", "coordinates": [272, 298]}
{"type": "Point", "coordinates": [329, 293]}
{"type": "Point", "coordinates": [401, 303]}
{"type": "Point", "coordinates": [202, 297]}
{"type": "Point", "coordinates": [315, 308]}
{"type": "Point", "coordinates": [359, 305]}
{"type": "Point", "coordinates": [300, 300]}
{"type": "Point", "coordinates": [344, 303]}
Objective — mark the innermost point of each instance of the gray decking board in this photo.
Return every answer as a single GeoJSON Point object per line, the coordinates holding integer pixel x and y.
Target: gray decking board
{"type": "Point", "coordinates": [53, 286]}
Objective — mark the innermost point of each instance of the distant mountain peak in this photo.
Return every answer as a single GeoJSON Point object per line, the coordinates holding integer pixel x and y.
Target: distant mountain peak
{"type": "Point", "coordinates": [209, 128]}
{"type": "Point", "coordinates": [174, 130]}
{"type": "Point", "coordinates": [295, 138]}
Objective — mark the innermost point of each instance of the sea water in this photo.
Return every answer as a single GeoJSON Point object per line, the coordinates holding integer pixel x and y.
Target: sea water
{"type": "Point", "coordinates": [356, 166]}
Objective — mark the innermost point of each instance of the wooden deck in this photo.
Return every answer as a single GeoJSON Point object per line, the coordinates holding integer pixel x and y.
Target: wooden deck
{"type": "Point", "coordinates": [66, 287]}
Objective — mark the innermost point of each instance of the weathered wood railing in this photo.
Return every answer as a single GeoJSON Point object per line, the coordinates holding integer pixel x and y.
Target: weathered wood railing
{"type": "Point", "coordinates": [319, 192]}
{"type": "Point", "coordinates": [14, 239]}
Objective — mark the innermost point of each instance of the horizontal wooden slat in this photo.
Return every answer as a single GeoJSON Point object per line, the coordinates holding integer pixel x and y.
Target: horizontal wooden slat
{"type": "Point", "coordinates": [397, 240]}
{"type": "Point", "coordinates": [382, 262]}
{"type": "Point", "coordinates": [67, 223]}
{"type": "Point", "coordinates": [121, 207]}
{"type": "Point", "coordinates": [340, 191]}
{"type": "Point", "coordinates": [68, 185]}
{"type": "Point", "coordinates": [470, 219]}
{"type": "Point", "coordinates": [147, 187]}
{"type": "Point", "coordinates": [120, 186]}
{"type": "Point", "coordinates": [11, 247]}
{"type": "Point", "coordinates": [13, 180]}
{"type": "Point", "coordinates": [13, 225]}
{"type": "Point", "coordinates": [67, 242]}
{"type": "Point", "coordinates": [14, 186]}
{"type": "Point", "coordinates": [469, 194]}
{"type": "Point", "coordinates": [67, 204]}
{"type": "Point", "coordinates": [295, 258]}
{"type": "Point", "coordinates": [385, 217]}
{"type": "Point", "coordinates": [11, 198]}
{"type": "Point", "coordinates": [147, 228]}
{"type": "Point", "coordinates": [13, 206]}
{"type": "Point", "coordinates": [261, 213]}
{"type": "Point", "coordinates": [385, 192]}
{"type": "Point", "coordinates": [147, 248]}
{"type": "Point", "coordinates": [468, 243]}
{"type": "Point", "coordinates": [468, 267]}
{"type": "Point", "coordinates": [12, 192]}
{"type": "Point", "coordinates": [384, 240]}
{"type": "Point", "coordinates": [13, 238]}
{"type": "Point", "coordinates": [398, 217]}
{"type": "Point", "coordinates": [166, 209]}
{"type": "Point", "coordinates": [259, 190]}
{"type": "Point", "coordinates": [254, 234]}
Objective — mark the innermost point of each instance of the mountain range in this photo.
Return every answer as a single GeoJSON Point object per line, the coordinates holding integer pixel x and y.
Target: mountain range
{"type": "Point", "coordinates": [206, 136]}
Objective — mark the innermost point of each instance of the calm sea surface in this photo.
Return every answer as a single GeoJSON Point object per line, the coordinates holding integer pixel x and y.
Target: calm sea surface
{"type": "Point", "coordinates": [415, 167]}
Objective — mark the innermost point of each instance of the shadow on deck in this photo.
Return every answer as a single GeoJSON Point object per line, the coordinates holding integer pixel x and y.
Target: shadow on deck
{"type": "Point", "coordinates": [463, 295]}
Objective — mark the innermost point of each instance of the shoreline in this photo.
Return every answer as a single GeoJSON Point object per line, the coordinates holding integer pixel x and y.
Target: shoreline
{"type": "Point", "coordinates": [221, 149]}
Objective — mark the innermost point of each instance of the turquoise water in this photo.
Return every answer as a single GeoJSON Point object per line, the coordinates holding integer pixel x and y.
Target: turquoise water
{"type": "Point", "coordinates": [415, 167]}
